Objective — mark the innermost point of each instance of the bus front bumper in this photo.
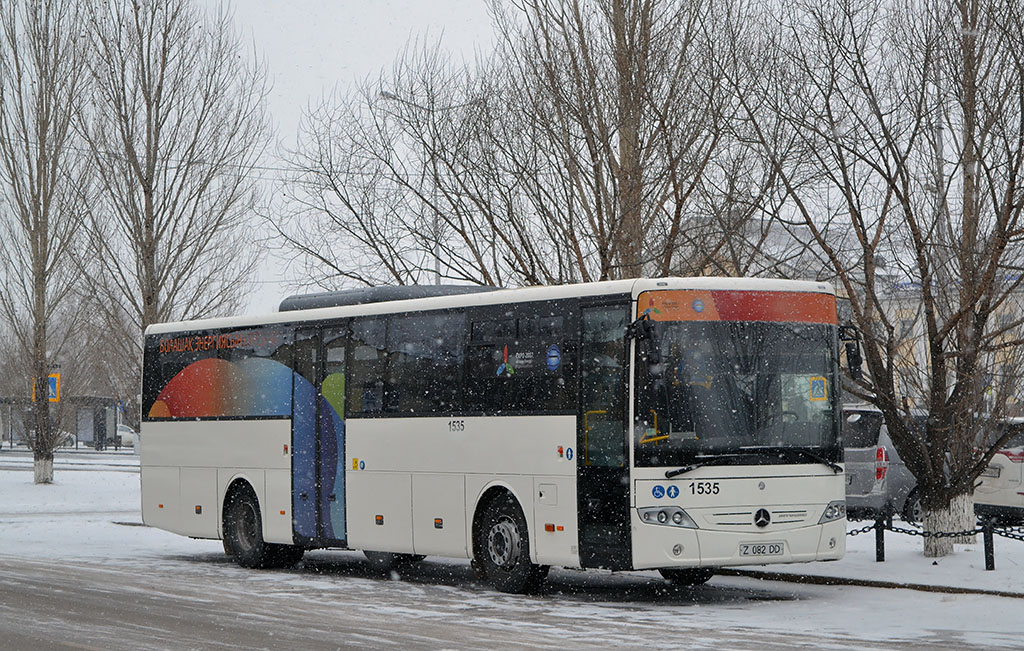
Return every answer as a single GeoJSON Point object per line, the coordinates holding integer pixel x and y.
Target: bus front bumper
{"type": "Point", "coordinates": [657, 546]}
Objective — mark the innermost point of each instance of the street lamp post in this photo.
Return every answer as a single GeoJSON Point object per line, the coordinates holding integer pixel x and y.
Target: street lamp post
{"type": "Point", "coordinates": [435, 218]}
{"type": "Point", "coordinates": [431, 156]}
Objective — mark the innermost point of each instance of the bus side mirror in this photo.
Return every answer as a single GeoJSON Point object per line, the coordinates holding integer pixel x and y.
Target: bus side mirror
{"type": "Point", "coordinates": [851, 337]}
{"type": "Point", "coordinates": [643, 331]}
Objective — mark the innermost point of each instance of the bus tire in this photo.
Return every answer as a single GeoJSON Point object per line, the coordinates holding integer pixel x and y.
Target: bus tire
{"type": "Point", "coordinates": [243, 534]}
{"type": "Point", "coordinates": [687, 575]}
{"type": "Point", "coordinates": [503, 548]}
{"type": "Point", "coordinates": [388, 561]}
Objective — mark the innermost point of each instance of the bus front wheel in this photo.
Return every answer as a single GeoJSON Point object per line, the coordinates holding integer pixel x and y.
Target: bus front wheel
{"type": "Point", "coordinates": [503, 548]}
{"type": "Point", "coordinates": [687, 575]}
{"type": "Point", "coordinates": [243, 534]}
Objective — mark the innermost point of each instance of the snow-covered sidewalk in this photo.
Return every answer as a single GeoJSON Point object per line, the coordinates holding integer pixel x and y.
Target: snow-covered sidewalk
{"type": "Point", "coordinates": [905, 563]}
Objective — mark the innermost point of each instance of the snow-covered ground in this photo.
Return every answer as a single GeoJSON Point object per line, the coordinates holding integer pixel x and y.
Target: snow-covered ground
{"type": "Point", "coordinates": [87, 520]}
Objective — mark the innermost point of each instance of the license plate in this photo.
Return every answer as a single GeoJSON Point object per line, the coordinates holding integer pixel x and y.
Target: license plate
{"type": "Point", "coordinates": [762, 549]}
{"type": "Point", "coordinates": [991, 471]}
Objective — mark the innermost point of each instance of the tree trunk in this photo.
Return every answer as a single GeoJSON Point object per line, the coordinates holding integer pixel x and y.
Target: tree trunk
{"type": "Point", "coordinates": [629, 64]}
{"type": "Point", "coordinates": [43, 469]}
{"type": "Point", "coordinates": [940, 520]}
{"type": "Point", "coordinates": [962, 509]}
{"type": "Point", "coordinates": [957, 516]}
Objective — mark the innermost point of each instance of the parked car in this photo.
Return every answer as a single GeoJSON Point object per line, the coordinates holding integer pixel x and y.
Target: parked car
{"type": "Point", "coordinates": [127, 435]}
{"type": "Point", "coordinates": [1000, 493]}
{"type": "Point", "coordinates": [877, 480]}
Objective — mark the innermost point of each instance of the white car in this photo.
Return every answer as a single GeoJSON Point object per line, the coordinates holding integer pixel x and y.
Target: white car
{"type": "Point", "coordinates": [1000, 494]}
{"type": "Point", "coordinates": [128, 436]}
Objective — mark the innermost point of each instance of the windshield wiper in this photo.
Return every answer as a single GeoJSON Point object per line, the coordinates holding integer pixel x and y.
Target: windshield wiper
{"type": "Point", "coordinates": [814, 456]}
{"type": "Point", "coordinates": [711, 460]}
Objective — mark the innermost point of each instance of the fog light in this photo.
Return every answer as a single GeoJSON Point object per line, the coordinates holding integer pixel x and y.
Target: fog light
{"type": "Point", "coordinates": [662, 517]}
{"type": "Point", "coordinates": [677, 549]}
{"type": "Point", "coordinates": [831, 543]}
{"type": "Point", "coordinates": [677, 517]}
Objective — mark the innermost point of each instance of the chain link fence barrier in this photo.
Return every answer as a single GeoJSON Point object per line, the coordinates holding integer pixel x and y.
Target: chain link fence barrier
{"type": "Point", "coordinates": [987, 528]}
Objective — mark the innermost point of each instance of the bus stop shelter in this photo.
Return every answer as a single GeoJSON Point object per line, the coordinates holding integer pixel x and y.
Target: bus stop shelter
{"type": "Point", "coordinates": [89, 421]}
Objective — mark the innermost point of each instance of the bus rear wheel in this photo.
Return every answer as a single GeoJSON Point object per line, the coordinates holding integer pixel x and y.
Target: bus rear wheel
{"type": "Point", "coordinates": [687, 575]}
{"type": "Point", "coordinates": [243, 534]}
{"type": "Point", "coordinates": [502, 548]}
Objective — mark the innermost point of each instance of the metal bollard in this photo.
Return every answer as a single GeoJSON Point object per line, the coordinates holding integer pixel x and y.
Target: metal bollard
{"type": "Point", "coordinates": [880, 539]}
{"type": "Point", "coordinates": [990, 556]}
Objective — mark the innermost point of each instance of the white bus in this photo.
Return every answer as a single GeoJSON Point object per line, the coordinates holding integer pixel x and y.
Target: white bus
{"type": "Point", "coordinates": [677, 424]}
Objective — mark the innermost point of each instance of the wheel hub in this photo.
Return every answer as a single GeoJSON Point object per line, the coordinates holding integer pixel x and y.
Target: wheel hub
{"type": "Point", "coordinates": [504, 543]}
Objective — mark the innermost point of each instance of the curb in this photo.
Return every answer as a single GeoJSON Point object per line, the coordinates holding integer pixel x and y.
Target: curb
{"type": "Point", "coordinates": [811, 579]}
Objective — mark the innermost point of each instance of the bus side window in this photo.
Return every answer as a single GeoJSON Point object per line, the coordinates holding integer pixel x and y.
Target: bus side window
{"type": "Point", "coordinates": [546, 384]}
{"type": "Point", "coordinates": [365, 385]}
{"type": "Point", "coordinates": [425, 364]}
{"type": "Point", "coordinates": [519, 366]}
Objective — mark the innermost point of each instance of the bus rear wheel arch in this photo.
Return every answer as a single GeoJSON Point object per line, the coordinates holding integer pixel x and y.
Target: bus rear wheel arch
{"type": "Point", "coordinates": [501, 545]}
{"type": "Point", "coordinates": [243, 532]}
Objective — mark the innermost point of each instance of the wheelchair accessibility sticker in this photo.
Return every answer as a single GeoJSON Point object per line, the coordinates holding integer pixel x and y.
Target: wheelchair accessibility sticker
{"type": "Point", "coordinates": [658, 491]}
{"type": "Point", "coordinates": [818, 388]}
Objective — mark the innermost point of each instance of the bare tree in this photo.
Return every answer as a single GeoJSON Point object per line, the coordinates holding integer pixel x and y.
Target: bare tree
{"type": "Point", "coordinates": [175, 126]}
{"type": "Point", "coordinates": [907, 125]}
{"type": "Point", "coordinates": [41, 173]}
{"type": "Point", "coordinates": [584, 148]}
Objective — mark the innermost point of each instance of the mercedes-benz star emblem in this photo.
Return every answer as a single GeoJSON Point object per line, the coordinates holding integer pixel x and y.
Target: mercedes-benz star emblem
{"type": "Point", "coordinates": [762, 518]}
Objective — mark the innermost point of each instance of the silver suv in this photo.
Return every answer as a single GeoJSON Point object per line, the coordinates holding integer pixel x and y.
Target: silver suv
{"type": "Point", "coordinates": [877, 480]}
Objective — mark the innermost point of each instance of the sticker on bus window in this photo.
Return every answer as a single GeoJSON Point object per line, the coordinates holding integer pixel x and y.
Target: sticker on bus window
{"type": "Point", "coordinates": [554, 357]}
{"type": "Point", "coordinates": [506, 367]}
{"type": "Point", "coordinates": [818, 388]}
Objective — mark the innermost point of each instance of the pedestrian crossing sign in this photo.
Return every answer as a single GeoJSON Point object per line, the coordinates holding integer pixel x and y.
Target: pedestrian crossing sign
{"type": "Point", "coordinates": [818, 388]}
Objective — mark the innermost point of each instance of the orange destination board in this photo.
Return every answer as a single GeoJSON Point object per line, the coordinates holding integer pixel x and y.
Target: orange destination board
{"type": "Point", "coordinates": [730, 305]}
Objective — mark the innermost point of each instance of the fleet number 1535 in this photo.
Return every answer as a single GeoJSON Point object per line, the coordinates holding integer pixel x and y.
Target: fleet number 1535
{"type": "Point", "coordinates": [704, 488]}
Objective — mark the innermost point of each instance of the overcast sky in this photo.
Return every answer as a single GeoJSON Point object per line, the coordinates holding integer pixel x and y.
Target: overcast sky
{"type": "Point", "coordinates": [312, 47]}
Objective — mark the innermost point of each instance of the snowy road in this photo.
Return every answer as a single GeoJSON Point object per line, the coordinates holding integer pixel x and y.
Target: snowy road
{"type": "Point", "coordinates": [203, 601]}
{"type": "Point", "coordinates": [71, 577]}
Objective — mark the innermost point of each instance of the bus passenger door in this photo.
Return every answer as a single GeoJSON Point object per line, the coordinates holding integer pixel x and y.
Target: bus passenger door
{"type": "Point", "coordinates": [602, 460]}
{"type": "Point", "coordinates": [318, 437]}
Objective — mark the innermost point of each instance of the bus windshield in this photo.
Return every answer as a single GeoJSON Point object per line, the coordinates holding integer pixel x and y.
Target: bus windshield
{"type": "Point", "coordinates": [744, 388]}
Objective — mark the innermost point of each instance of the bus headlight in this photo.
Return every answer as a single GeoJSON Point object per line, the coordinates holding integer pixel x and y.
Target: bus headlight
{"type": "Point", "coordinates": [834, 511]}
{"type": "Point", "coordinates": [669, 516]}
